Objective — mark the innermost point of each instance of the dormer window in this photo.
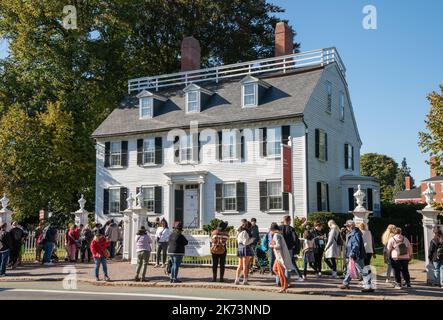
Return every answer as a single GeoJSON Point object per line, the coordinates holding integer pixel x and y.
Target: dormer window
{"type": "Point", "coordinates": [196, 98]}
{"type": "Point", "coordinates": [253, 90]}
{"type": "Point", "coordinates": [148, 102]}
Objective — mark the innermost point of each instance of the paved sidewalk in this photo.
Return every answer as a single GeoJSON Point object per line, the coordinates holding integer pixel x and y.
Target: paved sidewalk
{"type": "Point", "coordinates": [122, 274]}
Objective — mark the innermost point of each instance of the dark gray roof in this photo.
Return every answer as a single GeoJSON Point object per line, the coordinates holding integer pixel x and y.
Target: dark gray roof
{"type": "Point", "coordinates": [409, 194]}
{"type": "Point", "coordinates": [288, 96]}
{"type": "Point", "coordinates": [436, 178]}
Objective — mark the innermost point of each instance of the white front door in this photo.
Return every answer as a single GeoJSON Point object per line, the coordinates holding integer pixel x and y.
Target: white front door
{"type": "Point", "coordinates": [190, 208]}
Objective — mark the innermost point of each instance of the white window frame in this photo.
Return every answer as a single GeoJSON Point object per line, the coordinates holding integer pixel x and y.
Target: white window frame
{"type": "Point", "coordinates": [324, 197]}
{"type": "Point", "coordinates": [196, 101]}
{"type": "Point", "coordinates": [350, 156]}
{"type": "Point", "coordinates": [342, 106]}
{"type": "Point", "coordinates": [328, 97]}
{"type": "Point", "coordinates": [231, 198]}
{"type": "Point", "coordinates": [273, 142]}
{"type": "Point", "coordinates": [322, 145]}
{"type": "Point", "coordinates": [269, 196]}
{"type": "Point", "coordinates": [254, 94]}
{"type": "Point", "coordinates": [115, 154]}
{"type": "Point", "coordinates": [150, 152]}
{"type": "Point", "coordinates": [149, 106]}
{"type": "Point", "coordinates": [148, 202]}
{"type": "Point", "coordinates": [186, 148]}
{"type": "Point", "coordinates": [111, 200]}
{"type": "Point", "coordinates": [231, 145]}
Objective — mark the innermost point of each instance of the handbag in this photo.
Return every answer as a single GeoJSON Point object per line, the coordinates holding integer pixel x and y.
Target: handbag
{"type": "Point", "coordinates": [352, 269]}
{"type": "Point", "coordinates": [106, 253]}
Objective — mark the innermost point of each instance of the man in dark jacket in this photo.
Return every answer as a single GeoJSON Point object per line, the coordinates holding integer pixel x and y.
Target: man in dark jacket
{"type": "Point", "coordinates": [291, 240]}
{"type": "Point", "coordinates": [5, 242]}
{"type": "Point", "coordinates": [49, 240]}
{"type": "Point", "coordinates": [319, 239]}
{"type": "Point", "coordinates": [176, 250]}
{"type": "Point", "coordinates": [17, 234]}
{"type": "Point", "coordinates": [355, 251]}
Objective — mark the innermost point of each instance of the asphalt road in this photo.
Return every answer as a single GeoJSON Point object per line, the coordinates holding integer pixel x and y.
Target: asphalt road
{"type": "Point", "coordinates": [53, 290]}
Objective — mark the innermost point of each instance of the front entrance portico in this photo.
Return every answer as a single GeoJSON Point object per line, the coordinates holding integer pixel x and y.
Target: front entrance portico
{"type": "Point", "coordinates": [186, 198]}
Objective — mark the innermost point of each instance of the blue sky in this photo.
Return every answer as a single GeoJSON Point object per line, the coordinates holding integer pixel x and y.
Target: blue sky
{"type": "Point", "coordinates": [390, 70]}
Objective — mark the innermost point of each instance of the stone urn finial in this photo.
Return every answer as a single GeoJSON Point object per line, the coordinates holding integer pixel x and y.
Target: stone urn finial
{"type": "Point", "coordinates": [130, 201]}
{"type": "Point", "coordinates": [429, 194]}
{"type": "Point", "coordinates": [5, 201]}
{"type": "Point", "coordinates": [359, 196]}
{"type": "Point", "coordinates": [82, 202]}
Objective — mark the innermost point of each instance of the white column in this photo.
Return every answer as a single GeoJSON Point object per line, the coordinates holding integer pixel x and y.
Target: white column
{"type": "Point", "coordinates": [127, 235]}
{"type": "Point", "coordinates": [201, 199]}
{"type": "Point", "coordinates": [5, 213]}
{"type": "Point", "coordinates": [429, 222]}
{"type": "Point", "coordinates": [170, 216]}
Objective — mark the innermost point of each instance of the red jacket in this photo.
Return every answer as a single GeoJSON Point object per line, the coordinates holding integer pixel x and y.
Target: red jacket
{"type": "Point", "coordinates": [72, 236]}
{"type": "Point", "coordinates": [99, 246]}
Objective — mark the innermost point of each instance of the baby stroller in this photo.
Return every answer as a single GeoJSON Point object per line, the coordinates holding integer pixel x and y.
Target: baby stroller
{"type": "Point", "coordinates": [261, 258]}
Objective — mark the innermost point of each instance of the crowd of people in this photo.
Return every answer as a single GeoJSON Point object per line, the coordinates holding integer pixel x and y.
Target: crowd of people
{"type": "Point", "coordinates": [276, 251]}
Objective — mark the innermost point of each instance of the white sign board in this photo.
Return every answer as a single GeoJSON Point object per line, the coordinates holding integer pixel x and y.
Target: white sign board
{"type": "Point", "coordinates": [197, 246]}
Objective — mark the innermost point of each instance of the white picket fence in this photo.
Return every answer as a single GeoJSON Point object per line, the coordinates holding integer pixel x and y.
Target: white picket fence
{"type": "Point", "coordinates": [31, 243]}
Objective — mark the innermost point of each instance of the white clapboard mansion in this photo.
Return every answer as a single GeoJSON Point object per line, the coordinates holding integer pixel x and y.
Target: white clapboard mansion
{"type": "Point", "coordinates": [206, 143]}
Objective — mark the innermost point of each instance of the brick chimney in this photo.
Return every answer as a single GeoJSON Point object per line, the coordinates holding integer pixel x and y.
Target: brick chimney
{"type": "Point", "coordinates": [283, 39]}
{"type": "Point", "coordinates": [190, 54]}
{"type": "Point", "coordinates": [408, 183]}
{"type": "Point", "coordinates": [432, 162]}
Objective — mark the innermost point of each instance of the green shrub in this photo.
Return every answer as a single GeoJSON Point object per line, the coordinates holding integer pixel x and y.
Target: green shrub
{"type": "Point", "coordinates": [214, 224]}
{"type": "Point", "coordinates": [324, 217]}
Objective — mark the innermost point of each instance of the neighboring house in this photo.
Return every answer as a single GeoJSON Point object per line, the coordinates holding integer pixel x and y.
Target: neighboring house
{"type": "Point", "coordinates": [230, 166]}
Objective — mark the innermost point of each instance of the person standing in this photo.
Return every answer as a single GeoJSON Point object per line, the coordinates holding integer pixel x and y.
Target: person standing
{"type": "Point", "coordinates": [176, 250]}
{"type": "Point", "coordinates": [319, 239]}
{"type": "Point", "coordinates": [356, 254]}
{"type": "Point", "coordinates": [387, 235]}
{"type": "Point", "coordinates": [86, 237]}
{"type": "Point", "coordinates": [49, 240]}
{"type": "Point", "coordinates": [269, 238]}
{"type": "Point", "coordinates": [254, 233]}
{"type": "Point", "coordinates": [283, 259]}
{"type": "Point", "coordinates": [5, 242]}
{"type": "Point", "coordinates": [332, 250]}
{"type": "Point", "coordinates": [308, 253]}
{"type": "Point", "coordinates": [119, 245]}
{"type": "Point", "coordinates": [143, 247]}
{"type": "Point", "coordinates": [162, 235]}
{"type": "Point", "coordinates": [369, 243]}
{"type": "Point", "coordinates": [435, 255]}
{"type": "Point", "coordinates": [291, 239]}
{"type": "Point", "coordinates": [244, 252]}
{"type": "Point", "coordinates": [400, 251]}
{"type": "Point", "coordinates": [38, 241]}
{"type": "Point", "coordinates": [16, 234]}
{"type": "Point", "coordinates": [99, 249]}
{"type": "Point", "coordinates": [111, 233]}
{"type": "Point", "coordinates": [219, 238]}
{"type": "Point", "coordinates": [71, 241]}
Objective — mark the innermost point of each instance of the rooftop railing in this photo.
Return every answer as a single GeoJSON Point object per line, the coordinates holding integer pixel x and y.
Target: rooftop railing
{"type": "Point", "coordinates": [308, 59]}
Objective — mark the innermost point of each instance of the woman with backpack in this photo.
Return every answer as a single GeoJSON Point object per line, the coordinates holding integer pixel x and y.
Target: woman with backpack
{"type": "Point", "coordinates": [219, 238]}
{"type": "Point", "coordinates": [387, 235]}
{"type": "Point", "coordinates": [244, 252]}
{"type": "Point", "coordinates": [400, 251]}
{"type": "Point", "coordinates": [143, 248]}
{"type": "Point", "coordinates": [332, 250]}
{"type": "Point", "coordinates": [162, 235]}
{"type": "Point", "coordinates": [99, 249]}
{"type": "Point", "coordinates": [435, 255]}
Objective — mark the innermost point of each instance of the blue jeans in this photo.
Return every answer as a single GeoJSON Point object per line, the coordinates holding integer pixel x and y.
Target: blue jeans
{"type": "Point", "coordinates": [176, 262]}
{"type": "Point", "coordinates": [362, 270]}
{"type": "Point", "coordinates": [98, 262]}
{"type": "Point", "coordinates": [438, 272]}
{"type": "Point", "coordinates": [49, 247]}
{"type": "Point", "coordinates": [4, 257]}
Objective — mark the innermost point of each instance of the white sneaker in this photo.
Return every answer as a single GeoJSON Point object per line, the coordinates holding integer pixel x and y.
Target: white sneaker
{"type": "Point", "coordinates": [388, 280]}
{"type": "Point", "coordinates": [236, 282]}
{"type": "Point", "coordinates": [334, 274]}
{"type": "Point", "coordinates": [397, 286]}
{"type": "Point", "coordinates": [319, 275]}
{"type": "Point", "coordinates": [245, 282]}
{"type": "Point", "coordinates": [48, 263]}
{"type": "Point", "coordinates": [156, 265]}
{"type": "Point", "coordinates": [300, 279]}
{"type": "Point", "coordinates": [163, 265]}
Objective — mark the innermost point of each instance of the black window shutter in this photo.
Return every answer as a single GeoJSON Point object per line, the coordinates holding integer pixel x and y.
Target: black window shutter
{"type": "Point", "coordinates": [218, 197]}
{"type": "Point", "coordinates": [319, 206]}
{"type": "Point", "coordinates": [263, 196]}
{"type": "Point", "coordinates": [240, 189]}
{"type": "Point", "coordinates": [124, 153]}
{"type": "Point", "coordinates": [264, 142]}
{"type": "Point", "coordinates": [351, 199]}
{"type": "Point", "coordinates": [105, 201]}
{"type": "Point", "coordinates": [317, 143]}
{"type": "Point", "coordinates": [346, 156]}
{"type": "Point", "coordinates": [326, 146]}
{"type": "Point", "coordinates": [285, 132]}
{"type": "Point", "coordinates": [158, 150]}
{"type": "Point", "coordinates": [158, 194]}
{"type": "Point", "coordinates": [352, 152]}
{"type": "Point", "coordinates": [327, 197]}
{"type": "Point", "coordinates": [177, 149]}
{"type": "Point", "coordinates": [107, 154]}
{"type": "Point", "coordinates": [198, 147]}
{"type": "Point", "coordinates": [139, 152]}
{"type": "Point", "coordinates": [242, 145]}
{"type": "Point", "coordinates": [285, 198]}
{"type": "Point", "coordinates": [219, 145]}
{"type": "Point", "coordinates": [123, 197]}
{"type": "Point", "coordinates": [370, 206]}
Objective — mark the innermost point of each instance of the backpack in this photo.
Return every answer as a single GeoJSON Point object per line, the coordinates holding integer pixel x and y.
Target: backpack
{"type": "Point", "coordinates": [339, 240]}
{"type": "Point", "coordinates": [297, 245]}
{"type": "Point", "coordinates": [217, 247]}
{"type": "Point", "coordinates": [401, 248]}
{"type": "Point", "coordinates": [439, 251]}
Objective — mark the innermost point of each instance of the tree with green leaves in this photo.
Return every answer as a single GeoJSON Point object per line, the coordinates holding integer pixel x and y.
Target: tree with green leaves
{"type": "Point", "coordinates": [81, 75]}
{"type": "Point", "coordinates": [383, 168]}
{"type": "Point", "coordinates": [432, 140]}
{"type": "Point", "coordinates": [402, 172]}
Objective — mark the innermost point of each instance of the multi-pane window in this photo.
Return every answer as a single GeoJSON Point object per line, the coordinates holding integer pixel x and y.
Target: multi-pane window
{"type": "Point", "coordinates": [324, 197]}
{"type": "Point", "coordinates": [274, 195]}
{"type": "Point", "coordinates": [148, 151]}
{"type": "Point", "coordinates": [192, 101]}
{"type": "Point", "coordinates": [322, 145]}
{"type": "Point", "coordinates": [186, 148]}
{"type": "Point", "coordinates": [249, 94]}
{"type": "Point", "coordinates": [329, 96]}
{"type": "Point", "coordinates": [349, 157]}
{"type": "Point", "coordinates": [273, 145]}
{"type": "Point", "coordinates": [146, 107]}
{"type": "Point", "coordinates": [116, 154]}
{"type": "Point", "coordinates": [148, 198]}
{"type": "Point", "coordinates": [229, 197]}
{"type": "Point", "coordinates": [342, 106]}
{"type": "Point", "coordinates": [114, 201]}
{"type": "Point", "coordinates": [229, 145]}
